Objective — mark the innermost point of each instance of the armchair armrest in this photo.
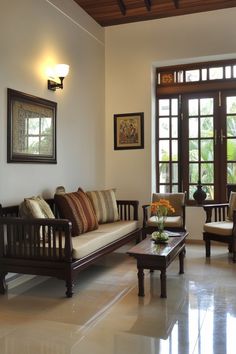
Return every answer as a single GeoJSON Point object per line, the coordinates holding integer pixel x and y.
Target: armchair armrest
{"type": "Point", "coordinates": [145, 214]}
{"type": "Point", "coordinates": [128, 209]}
{"type": "Point", "coordinates": [216, 211]}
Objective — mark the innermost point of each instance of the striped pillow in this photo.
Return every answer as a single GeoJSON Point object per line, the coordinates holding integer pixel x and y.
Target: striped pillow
{"type": "Point", "coordinates": [78, 209]}
{"type": "Point", "coordinates": [105, 206]}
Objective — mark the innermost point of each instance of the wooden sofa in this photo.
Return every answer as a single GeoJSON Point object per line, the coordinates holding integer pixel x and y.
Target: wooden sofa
{"type": "Point", "coordinates": [46, 246]}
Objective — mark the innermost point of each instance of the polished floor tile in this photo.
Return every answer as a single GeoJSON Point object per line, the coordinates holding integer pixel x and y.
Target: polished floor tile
{"type": "Point", "coordinates": [105, 315]}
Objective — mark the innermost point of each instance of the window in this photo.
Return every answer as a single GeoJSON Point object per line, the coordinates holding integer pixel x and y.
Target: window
{"type": "Point", "coordinates": [196, 130]}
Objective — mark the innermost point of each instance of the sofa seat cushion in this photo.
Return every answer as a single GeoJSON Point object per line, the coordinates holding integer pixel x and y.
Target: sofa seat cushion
{"type": "Point", "coordinates": [171, 221]}
{"type": "Point", "coordinates": [223, 228]}
{"type": "Point", "coordinates": [105, 234]}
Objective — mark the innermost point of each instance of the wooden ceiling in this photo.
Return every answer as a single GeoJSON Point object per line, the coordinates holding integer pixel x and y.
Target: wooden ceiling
{"type": "Point", "coordinates": [113, 12]}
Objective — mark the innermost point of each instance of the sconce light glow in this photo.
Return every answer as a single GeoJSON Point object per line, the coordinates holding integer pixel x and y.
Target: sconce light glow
{"type": "Point", "coordinates": [60, 71]}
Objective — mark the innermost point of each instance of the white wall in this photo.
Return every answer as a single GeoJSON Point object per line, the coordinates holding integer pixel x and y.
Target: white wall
{"type": "Point", "coordinates": [33, 35]}
{"type": "Point", "coordinates": [132, 51]}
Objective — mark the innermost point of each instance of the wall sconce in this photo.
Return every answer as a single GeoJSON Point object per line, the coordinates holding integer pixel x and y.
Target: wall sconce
{"type": "Point", "coordinates": [59, 72]}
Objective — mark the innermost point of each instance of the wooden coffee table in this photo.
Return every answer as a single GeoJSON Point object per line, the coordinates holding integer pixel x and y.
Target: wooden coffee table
{"type": "Point", "coordinates": [158, 257]}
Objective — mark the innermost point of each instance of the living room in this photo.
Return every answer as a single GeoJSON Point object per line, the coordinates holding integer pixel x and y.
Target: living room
{"type": "Point", "coordinates": [112, 71]}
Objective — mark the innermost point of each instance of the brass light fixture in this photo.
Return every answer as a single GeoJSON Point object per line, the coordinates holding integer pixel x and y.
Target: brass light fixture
{"type": "Point", "coordinates": [58, 73]}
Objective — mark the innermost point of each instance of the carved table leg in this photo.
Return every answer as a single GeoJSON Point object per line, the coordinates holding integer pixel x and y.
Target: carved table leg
{"type": "Point", "coordinates": [181, 261]}
{"type": "Point", "coordinates": [140, 281]}
{"type": "Point", "coordinates": [163, 283]}
{"type": "Point", "coordinates": [3, 285]}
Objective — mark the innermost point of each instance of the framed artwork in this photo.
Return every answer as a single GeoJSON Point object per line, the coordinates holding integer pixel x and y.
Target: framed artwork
{"type": "Point", "coordinates": [128, 131]}
{"type": "Point", "coordinates": [31, 128]}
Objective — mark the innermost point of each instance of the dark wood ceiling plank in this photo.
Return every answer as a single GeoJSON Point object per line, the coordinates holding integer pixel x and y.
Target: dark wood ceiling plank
{"type": "Point", "coordinates": [122, 7]}
{"type": "Point", "coordinates": [111, 12]}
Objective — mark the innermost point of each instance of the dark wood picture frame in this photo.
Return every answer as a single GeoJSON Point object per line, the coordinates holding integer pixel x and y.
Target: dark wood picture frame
{"type": "Point", "coordinates": [31, 128]}
{"type": "Point", "coordinates": [129, 131]}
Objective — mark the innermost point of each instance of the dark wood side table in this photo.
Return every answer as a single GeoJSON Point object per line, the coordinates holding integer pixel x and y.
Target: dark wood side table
{"type": "Point", "coordinates": [158, 257]}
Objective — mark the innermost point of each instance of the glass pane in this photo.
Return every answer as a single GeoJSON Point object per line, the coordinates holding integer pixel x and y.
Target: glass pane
{"type": "Point", "coordinates": [207, 150]}
{"type": "Point", "coordinates": [193, 150]}
{"type": "Point", "coordinates": [231, 104]}
{"type": "Point", "coordinates": [174, 127]}
{"type": "Point", "coordinates": [234, 71]}
{"type": "Point", "coordinates": [174, 107]}
{"type": "Point", "coordinates": [164, 131]}
{"type": "Point", "coordinates": [33, 125]}
{"type": "Point", "coordinates": [46, 126]}
{"type": "Point", "coordinates": [216, 73]}
{"type": "Point", "coordinates": [193, 127]}
{"type": "Point", "coordinates": [207, 173]}
{"type": "Point", "coordinates": [175, 188]}
{"type": "Point", "coordinates": [231, 149]}
{"type": "Point", "coordinates": [192, 189]}
{"type": "Point", "coordinates": [193, 172]}
{"type": "Point", "coordinates": [174, 173]}
{"type": "Point", "coordinates": [164, 107]}
{"type": "Point", "coordinates": [228, 72]}
{"type": "Point", "coordinates": [46, 145]}
{"type": "Point", "coordinates": [180, 76]}
{"type": "Point", "coordinates": [164, 172]}
{"type": "Point", "coordinates": [164, 189]}
{"type": "Point", "coordinates": [174, 150]}
{"type": "Point", "coordinates": [33, 145]}
{"type": "Point", "coordinates": [207, 130]}
{"type": "Point", "coordinates": [209, 192]}
{"type": "Point", "coordinates": [192, 75]}
{"type": "Point", "coordinates": [193, 107]}
{"type": "Point", "coordinates": [231, 126]}
{"type": "Point", "coordinates": [204, 74]}
{"type": "Point", "coordinates": [164, 150]}
{"type": "Point", "coordinates": [231, 172]}
{"type": "Point", "coordinates": [206, 106]}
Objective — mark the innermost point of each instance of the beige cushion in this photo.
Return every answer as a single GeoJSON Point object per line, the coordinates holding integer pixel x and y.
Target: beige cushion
{"type": "Point", "coordinates": [171, 221]}
{"type": "Point", "coordinates": [105, 234]}
{"type": "Point", "coordinates": [104, 204]}
{"type": "Point", "coordinates": [177, 200]}
{"type": "Point", "coordinates": [35, 207]}
{"type": "Point", "coordinates": [223, 228]}
{"type": "Point", "coordinates": [232, 205]}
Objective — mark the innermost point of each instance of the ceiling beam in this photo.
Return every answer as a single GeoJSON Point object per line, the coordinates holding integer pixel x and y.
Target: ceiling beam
{"type": "Point", "coordinates": [122, 7]}
{"type": "Point", "coordinates": [148, 4]}
{"type": "Point", "coordinates": [176, 2]}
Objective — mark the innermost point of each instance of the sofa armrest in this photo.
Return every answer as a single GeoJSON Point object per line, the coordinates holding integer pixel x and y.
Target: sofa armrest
{"type": "Point", "coordinates": [35, 238]}
{"type": "Point", "coordinates": [216, 212]}
{"type": "Point", "coordinates": [128, 209]}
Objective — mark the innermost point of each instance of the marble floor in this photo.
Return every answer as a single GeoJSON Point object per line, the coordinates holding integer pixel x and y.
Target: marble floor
{"type": "Point", "coordinates": [105, 315]}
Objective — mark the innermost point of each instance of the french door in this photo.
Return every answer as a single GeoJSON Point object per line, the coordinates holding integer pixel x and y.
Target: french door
{"type": "Point", "coordinates": [198, 144]}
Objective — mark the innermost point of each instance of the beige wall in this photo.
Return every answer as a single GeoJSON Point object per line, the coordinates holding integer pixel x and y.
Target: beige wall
{"type": "Point", "coordinates": [34, 34]}
{"type": "Point", "coordinates": [132, 53]}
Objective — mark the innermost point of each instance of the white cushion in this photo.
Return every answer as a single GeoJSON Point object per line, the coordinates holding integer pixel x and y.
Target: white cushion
{"type": "Point", "coordinates": [223, 228]}
{"type": "Point", "coordinates": [171, 221]}
{"type": "Point", "coordinates": [91, 241]}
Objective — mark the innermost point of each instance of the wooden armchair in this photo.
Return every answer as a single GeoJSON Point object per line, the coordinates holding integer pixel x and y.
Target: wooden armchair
{"type": "Point", "coordinates": [174, 222]}
{"type": "Point", "coordinates": [220, 225]}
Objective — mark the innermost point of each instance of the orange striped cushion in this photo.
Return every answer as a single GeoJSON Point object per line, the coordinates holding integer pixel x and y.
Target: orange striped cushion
{"type": "Point", "coordinates": [78, 209]}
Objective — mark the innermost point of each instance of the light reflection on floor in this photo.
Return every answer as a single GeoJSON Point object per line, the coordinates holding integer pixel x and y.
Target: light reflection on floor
{"type": "Point", "coordinates": [106, 316]}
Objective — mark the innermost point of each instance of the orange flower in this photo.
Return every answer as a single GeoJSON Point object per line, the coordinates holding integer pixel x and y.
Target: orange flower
{"type": "Point", "coordinates": [161, 207]}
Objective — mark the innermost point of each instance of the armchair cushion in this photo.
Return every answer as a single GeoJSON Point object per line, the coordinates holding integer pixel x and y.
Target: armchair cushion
{"type": "Point", "coordinates": [177, 200]}
{"type": "Point", "coordinates": [171, 221]}
{"type": "Point", "coordinates": [223, 228]}
{"type": "Point", "coordinates": [232, 205]}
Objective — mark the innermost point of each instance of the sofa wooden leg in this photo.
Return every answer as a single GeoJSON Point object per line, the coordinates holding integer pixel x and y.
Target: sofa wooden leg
{"type": "Point", "coordinates": [3, 285]}
{"type": "Point", "coordinates": [69, 288]}
{"type": "Point", "coordinates": [208, 248]}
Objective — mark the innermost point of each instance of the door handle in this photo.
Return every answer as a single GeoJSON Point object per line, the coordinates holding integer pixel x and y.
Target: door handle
{"type": "Point", "coordinates": [222, 136]}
